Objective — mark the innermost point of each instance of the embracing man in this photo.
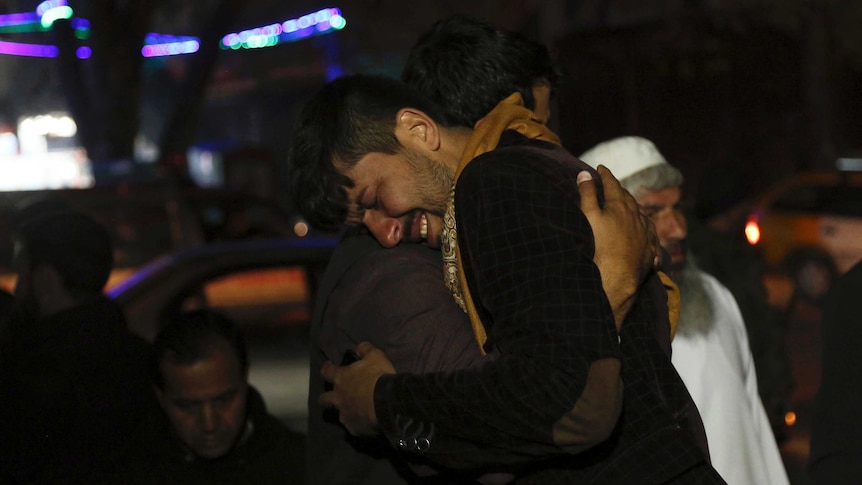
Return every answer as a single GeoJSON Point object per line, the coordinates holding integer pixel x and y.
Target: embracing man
{"type": "Point", "coordinates": [556, 403]}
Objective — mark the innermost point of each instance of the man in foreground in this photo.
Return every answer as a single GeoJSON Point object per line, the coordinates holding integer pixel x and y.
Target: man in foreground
{"type": "Point", "coordinates": [370, 151]}
{"type": "Point", "coordinates": [72, 377]}
{"type": "Point", "coordinates": [710, 349]}
{"type": "Point", "coordinates": [395, 298]}
{"type": "Point", "coordinates": [213, 426]}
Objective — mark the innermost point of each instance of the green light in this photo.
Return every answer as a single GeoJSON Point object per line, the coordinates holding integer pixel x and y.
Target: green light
{"type": "Point", "coordinates": [337, 22]}
{"type": "Point", "coordinates": [56, 13]}
{"type": "Point", "coordinates": [22, 28]}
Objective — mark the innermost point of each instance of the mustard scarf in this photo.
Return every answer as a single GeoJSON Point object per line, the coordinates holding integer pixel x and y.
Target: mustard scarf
{"type": "Point", "coordinates": [510, 114]}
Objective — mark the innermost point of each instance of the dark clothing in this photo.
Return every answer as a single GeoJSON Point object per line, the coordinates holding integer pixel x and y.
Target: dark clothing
{"type": "Point", "coordinates": [737, 265]}
{"type": "Point", "coordinates": [270, 454]}
{"type": "Point", "coordinates": [395, 299]}
{"type": "Point", "coordinates": [528, 254]}
{"type": "Point", "coordinates": [72, 386]}
{"type": "Point", "coordinates": [836, 428]}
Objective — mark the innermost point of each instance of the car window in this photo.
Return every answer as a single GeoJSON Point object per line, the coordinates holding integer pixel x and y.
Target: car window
{"type": "Point", "coordinates": [841, 200]}
{"type": "Point", "coordinates": [262, 301]}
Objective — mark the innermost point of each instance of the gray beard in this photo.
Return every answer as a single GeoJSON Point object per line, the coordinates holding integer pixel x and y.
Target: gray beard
{"type": "Point", "coordinates": [696, 313]}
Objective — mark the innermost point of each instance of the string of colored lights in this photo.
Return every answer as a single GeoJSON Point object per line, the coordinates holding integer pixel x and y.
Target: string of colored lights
{"type": "Point", "coordinates": [155, 45]}
{"type": "Point", "coordinates": [320, 22]}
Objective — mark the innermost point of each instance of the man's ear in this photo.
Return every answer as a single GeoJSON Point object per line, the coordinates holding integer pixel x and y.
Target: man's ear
{"type": "Point", "coordinates": [415, 129]}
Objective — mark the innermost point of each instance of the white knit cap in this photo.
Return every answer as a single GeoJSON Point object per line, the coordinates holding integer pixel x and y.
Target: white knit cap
{"type": "Point", "coordinates": [624, 156]}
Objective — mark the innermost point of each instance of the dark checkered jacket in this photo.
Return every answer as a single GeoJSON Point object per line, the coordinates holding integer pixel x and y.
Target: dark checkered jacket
{"type": "Point", "coordinates": [528, 252]}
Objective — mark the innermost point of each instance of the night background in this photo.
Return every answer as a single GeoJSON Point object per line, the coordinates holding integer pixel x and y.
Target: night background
{"type": "Point", "coordinates": [737, 94]}
{"type": "Point", "coordinates": [741, 92]}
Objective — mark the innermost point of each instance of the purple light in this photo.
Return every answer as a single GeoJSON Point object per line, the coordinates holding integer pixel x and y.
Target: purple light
{"type": "Point", "coordinates": [320, 22]}
{"type": "Point", "coordinates": [18, 19]}
{"type": "Point", "coordinates": [83, 52]}
{"type": "Point", "coordinates": [31, 50]}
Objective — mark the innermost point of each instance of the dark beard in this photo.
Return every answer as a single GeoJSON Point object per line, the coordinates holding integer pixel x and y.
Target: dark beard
{"type": "Point", "coordinates": [435, 181]}
{"type": "Point", "coordinates": [696, 313]}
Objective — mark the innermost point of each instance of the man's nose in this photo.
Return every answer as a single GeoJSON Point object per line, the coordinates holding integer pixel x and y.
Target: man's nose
{"type": "Point", "coordinates": [208, 418]}
{"type": "Point", "coordinates": [678, 226]}
{"type": "Point", "coordinates": [387, 230]}
{"type": "Point", "coordinates": [671, 227]}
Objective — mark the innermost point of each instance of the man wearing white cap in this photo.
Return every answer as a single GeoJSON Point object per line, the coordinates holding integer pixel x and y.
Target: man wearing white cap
{"type": "Point", "coordinates": [710, 349]}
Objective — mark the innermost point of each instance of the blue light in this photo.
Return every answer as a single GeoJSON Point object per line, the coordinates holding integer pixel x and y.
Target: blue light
{"type": "Point", "coordinates": [321, 22]}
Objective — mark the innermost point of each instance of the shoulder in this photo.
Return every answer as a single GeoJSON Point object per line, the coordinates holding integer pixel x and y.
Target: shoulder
{"type": "Point", "coordinates": [274, 449]}
{"type": "Point", "coordinates": [717, 291]}
{"type": "Point", "coordinates": [396, 268]}
{"type": "Point", "coordinates": [266, 425]}
{"type": "Point", "coordinates": [528, 166]}
{"type": "Point", "coordinates": [725, 307]}
{"type": "Point", "coordinates": [517, 153]}
{"type": "Point", "coordinates": [363, 270]}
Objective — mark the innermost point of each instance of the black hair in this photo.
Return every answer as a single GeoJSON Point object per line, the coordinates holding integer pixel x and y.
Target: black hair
{"type": "Point", "coordinates": [192, 336]}
{"type": "Point", "coordinates": [349, 118]}
{"type": "Point", "coordinates": [467, 66]}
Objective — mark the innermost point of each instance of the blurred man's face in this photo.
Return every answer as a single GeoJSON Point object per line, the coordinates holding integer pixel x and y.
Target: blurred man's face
{"type": "Point", "coordinates": [664, 209]}
{"type": "Point", "coordinates": [206, 402]}
{"type": "Point", "coordinates": [400, 197]}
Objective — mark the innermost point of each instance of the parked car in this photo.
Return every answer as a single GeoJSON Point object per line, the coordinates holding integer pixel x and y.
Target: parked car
{"type": "Point", "coordinates": [266, 286]}
{"type": "Point", "coordinates": [809, 226]}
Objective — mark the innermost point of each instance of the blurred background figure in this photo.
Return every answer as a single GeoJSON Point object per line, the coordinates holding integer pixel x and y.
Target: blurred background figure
{"type": "Point", "coordinates": [213, 427]}
{"type": "Point", "coordinates": [710, 349]}
{"type": "Point", "coordinates": [836, 428]}
{"type": "Point", "coordinates": [717, 239]}
{"type": "Point", "coordinates": [72, 377]}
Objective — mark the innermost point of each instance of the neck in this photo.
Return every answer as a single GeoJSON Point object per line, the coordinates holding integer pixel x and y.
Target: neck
{"type": "Point", "coordinates": [453, 143]}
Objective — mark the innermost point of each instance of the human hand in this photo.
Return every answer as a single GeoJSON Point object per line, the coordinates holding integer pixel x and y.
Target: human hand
{"type": "Point", "coordinates": [352, 391]}
{"type": "Point", "coordinates": [627, 246]}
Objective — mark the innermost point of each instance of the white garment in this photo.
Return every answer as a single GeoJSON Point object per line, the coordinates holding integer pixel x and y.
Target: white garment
{"type": "Point", "coordinates": [718, 370]}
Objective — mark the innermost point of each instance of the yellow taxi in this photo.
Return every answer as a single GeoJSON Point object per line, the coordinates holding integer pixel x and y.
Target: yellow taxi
{"type": "Point", "coordinates": [810, 227]}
